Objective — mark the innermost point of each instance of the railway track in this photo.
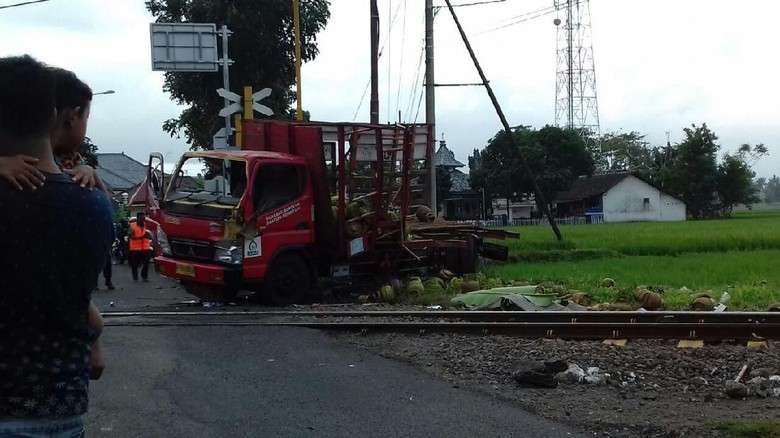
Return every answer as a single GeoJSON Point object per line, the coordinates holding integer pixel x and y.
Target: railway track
{"type": "Point", "coordinates": [566, 325]}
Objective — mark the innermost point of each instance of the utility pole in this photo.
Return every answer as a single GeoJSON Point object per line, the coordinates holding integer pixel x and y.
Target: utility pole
{"type": "Point", "coordinates": [524, 167]}
{"type": "Point", "coordinates": [430, 97]}
{"type": "Point", "coordinates": [298, 90]}
{"type": "Point", "coordinates": [374, 62]}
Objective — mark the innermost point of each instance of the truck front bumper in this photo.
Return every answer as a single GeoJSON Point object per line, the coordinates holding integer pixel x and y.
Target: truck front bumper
{"type": "Point", "coordinates": [208, 274]}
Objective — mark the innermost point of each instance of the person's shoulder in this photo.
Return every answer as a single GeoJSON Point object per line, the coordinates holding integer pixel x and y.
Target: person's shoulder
{"type": "Point", "coordinates": [67, 191]}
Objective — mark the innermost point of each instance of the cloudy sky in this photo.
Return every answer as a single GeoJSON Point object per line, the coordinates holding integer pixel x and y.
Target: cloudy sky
{"type": "Point", "coordinates": [660, 66]}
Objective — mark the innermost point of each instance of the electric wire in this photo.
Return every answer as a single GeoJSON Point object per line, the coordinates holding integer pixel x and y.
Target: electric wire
{"type": "Point", "coordinates": [22, 4]}
{"type": "Point", "coordinates": [527, 17]}
{"type": "Point", "coordinates": [401, 63]}
{"type": "Point", "coordinates": [485, 2]}
{"type": "Point", "coordinates": [379, 56]}
{"type": "Point", "coordinates": [415, 82]}
{"type": "Point", "coordinates": [390, 53]}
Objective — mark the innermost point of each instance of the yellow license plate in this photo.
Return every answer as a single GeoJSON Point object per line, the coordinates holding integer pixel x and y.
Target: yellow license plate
{"type": "Point", "coordinates": [187, 270]}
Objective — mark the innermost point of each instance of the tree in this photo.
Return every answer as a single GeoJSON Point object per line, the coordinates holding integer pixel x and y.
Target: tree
{"type": "Point", "coordinates": [555, 156]}
{"type": "Point", "coordinates": [772, 190]}
{"type": "Point", "coordinates": [443, 186]}
{"type": "Point", "coordinates": [760, 185]}
{"type": "Point", "coordinates": [262, 47]}
{"type": "Point", "coordinates": [200, 181]}
{"type": "Point", "coordinates": [694, 173]}
{"type": "Point", "coordinates": [735, 184]}
{"type": "Point", "coordinates": [496, 168]}
{"type": "Point", "coordinates": [88, 151]}
{"type": "Point", "coordinates": [627, 152]}
{"type": "Point", "coordinates": [475, 160]}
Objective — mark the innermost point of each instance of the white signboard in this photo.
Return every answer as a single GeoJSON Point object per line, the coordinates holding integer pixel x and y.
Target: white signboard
{"type": "Point", "coordinates": [356, 246]}
{"type": "Point", "coordinates": [184, 47]}
{"type": "Point", "coordinates": [253, 248]}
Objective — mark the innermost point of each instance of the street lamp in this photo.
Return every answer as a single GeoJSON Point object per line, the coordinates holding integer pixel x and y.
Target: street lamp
{"type": "Point", "coordinates": [104, 92]}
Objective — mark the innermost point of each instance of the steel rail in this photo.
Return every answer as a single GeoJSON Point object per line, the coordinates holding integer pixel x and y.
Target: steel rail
{"type": "Point", "coordinates": [491, 316]}
{"type": "Point", "coordinates": [564, 330]}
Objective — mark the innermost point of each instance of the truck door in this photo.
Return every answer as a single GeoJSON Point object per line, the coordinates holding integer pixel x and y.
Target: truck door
{"type": "Point", "coordinates": [280, 199]}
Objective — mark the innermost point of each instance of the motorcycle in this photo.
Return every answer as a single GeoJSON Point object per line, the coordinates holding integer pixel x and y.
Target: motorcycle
{"type": "Point", "coordinates": [119, 250]}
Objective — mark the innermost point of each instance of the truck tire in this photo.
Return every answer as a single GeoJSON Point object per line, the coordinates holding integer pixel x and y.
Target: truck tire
{"type": "Point", "coordinates": [288, 281]}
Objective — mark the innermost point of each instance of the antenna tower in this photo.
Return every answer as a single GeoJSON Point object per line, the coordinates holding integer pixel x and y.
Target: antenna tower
{"type": "Point", "coordinates": [576, 106]}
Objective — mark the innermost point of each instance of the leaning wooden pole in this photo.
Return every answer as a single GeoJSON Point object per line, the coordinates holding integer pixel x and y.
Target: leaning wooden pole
{"type": "Point", "coordinates": [524, 166]}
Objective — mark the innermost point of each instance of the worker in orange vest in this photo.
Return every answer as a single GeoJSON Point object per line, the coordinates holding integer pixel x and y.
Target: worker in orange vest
{"type": "Point", "coordinates": [140, 247]}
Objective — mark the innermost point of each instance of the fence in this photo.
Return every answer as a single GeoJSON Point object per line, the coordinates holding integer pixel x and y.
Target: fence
{"type": "Point", "coordinates": [581, 220]}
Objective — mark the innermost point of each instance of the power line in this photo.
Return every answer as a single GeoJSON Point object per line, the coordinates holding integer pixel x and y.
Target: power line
{"type": "Point", "coordinates": [379, 56]}
{"type": "Point", "coordinates": [401, 64]}
{"type": "Point", "coordinates": [362, 98]}
{"type": "Point", "coordinates": [485, 2]}
{"type": "Point", "coordinates": [22, 4]}
{"type": "Point", "coordinates": [525, 14]}
{"type": "Point", "coordinates": [415, 83]}
{"type": "Point", "coordinates": [539, 13]}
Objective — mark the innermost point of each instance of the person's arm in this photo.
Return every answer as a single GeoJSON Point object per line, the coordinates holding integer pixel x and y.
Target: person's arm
{"type": "Point", "coordinates": [96, 364]}
{"type": "Point", "coordinates": [95, 321]}
{"type": "Point", "coordinates": [21, 172]}
{"type": "Point", "coordinates": [87, 176]}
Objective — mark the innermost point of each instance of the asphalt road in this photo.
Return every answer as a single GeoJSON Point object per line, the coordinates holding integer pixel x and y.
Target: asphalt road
{"type": "Point", "coordinates": [273, 382]}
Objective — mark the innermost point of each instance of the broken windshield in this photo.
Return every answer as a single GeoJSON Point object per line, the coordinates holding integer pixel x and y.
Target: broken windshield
{"type": "Point", "coordinates": [207, 180]}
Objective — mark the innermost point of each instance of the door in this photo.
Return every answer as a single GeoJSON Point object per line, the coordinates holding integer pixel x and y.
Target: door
{"type": "Point", "coordinates": [281, 201]}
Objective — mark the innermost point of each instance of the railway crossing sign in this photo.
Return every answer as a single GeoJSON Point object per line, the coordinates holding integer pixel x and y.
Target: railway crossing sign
{"type": "Point", "coordinates": [257, 106]}
{"type": "Point", "coordinates": [229, 96]}
{"type": "Point", "coordinates": [236, 105]}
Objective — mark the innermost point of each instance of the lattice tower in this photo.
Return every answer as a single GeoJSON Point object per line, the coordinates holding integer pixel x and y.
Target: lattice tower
{"type": "Point", "coordinates": [576, 103]}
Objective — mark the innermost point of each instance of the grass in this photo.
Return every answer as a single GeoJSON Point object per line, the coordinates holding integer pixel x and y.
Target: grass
{"type": "Point", "coordinates": [751, 230]}
{"type": "Point", "coordinates": [750, 429]}
{"type": "Point", "coordinates": [750, 277]}
{"type": "Point", "coordinates": [737, 255]}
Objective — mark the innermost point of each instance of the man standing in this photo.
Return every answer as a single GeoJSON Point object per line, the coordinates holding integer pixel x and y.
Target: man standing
{"type": "Point", "coordinates": [53, 244]}
{"type": "Point", "coordinates": [140, 247]}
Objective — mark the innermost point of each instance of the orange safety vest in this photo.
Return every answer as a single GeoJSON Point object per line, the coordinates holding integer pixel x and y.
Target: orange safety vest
{"type": "Point", "coordinates": [139, 244]}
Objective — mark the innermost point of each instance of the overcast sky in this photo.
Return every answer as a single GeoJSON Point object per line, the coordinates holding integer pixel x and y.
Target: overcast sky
{"type": "Point", "coordinates": [660, 66]}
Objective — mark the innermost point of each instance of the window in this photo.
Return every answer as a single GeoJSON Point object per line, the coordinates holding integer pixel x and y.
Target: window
{"type": "Point", "coordinates": [276, 185]}
{"type": "Point", "coordinates": [646, 203]}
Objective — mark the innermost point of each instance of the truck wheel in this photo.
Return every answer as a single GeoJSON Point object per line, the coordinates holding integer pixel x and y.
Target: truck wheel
{"type": "Point", "coordinates": [288, 281]}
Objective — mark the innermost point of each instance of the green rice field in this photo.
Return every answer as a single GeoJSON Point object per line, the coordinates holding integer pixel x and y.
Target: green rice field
{"type": "Point", "coordinates": [739, 255]}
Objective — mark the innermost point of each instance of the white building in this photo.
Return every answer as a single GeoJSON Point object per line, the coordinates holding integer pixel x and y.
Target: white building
{"type": "Point", "coordinates": [513, 210]}
{"type": "Point", "coordinates": [618, 197]}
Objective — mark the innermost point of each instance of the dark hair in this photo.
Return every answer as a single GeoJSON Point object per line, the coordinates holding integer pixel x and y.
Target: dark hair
{"type": "Point", "coordinates": [71, 92]}
{"type": "Point", "coordinates": [26, 97]}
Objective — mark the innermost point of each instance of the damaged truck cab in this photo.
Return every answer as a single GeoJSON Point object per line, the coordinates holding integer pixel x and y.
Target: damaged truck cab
{"type": "Point", "coordinates": [305, 204]}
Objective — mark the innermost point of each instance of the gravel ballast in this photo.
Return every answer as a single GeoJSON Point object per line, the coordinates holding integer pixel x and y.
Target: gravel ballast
{"type": "Point", "coordinates": [646, 388]}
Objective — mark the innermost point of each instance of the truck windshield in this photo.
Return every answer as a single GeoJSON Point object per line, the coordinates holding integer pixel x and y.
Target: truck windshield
{"type": "Point", "coordinates": [206, 180]}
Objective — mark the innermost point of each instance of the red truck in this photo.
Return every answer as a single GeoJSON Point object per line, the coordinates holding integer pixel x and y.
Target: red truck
{"type": "Point", "coordinates": [304, 206]}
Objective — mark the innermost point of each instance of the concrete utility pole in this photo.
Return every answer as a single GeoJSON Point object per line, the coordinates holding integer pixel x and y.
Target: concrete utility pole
{"type": "Point", "coordinates": [374, 62]}
{"type": "Point", "coordinates": [430, 96]}
{"type": "Point", "coordinates": [523, 164]}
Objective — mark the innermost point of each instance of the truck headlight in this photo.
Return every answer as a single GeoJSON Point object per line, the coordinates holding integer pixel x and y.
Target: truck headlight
{"type": "Point", "coordinates": [162, 240]}
{"type": "Point", "coordinates": [228, 252]}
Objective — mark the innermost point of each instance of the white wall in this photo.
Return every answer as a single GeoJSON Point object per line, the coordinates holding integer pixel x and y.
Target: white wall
{"type": "Point", "coordinates": [672, 209]}
{"type": "Point", "coordinates": [625, 202]}
{"type": "Point", "coordinates": [517, 210]}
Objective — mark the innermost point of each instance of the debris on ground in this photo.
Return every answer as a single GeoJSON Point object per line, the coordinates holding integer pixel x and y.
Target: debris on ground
{"type": "Point", "coordinates": [650, 387]}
